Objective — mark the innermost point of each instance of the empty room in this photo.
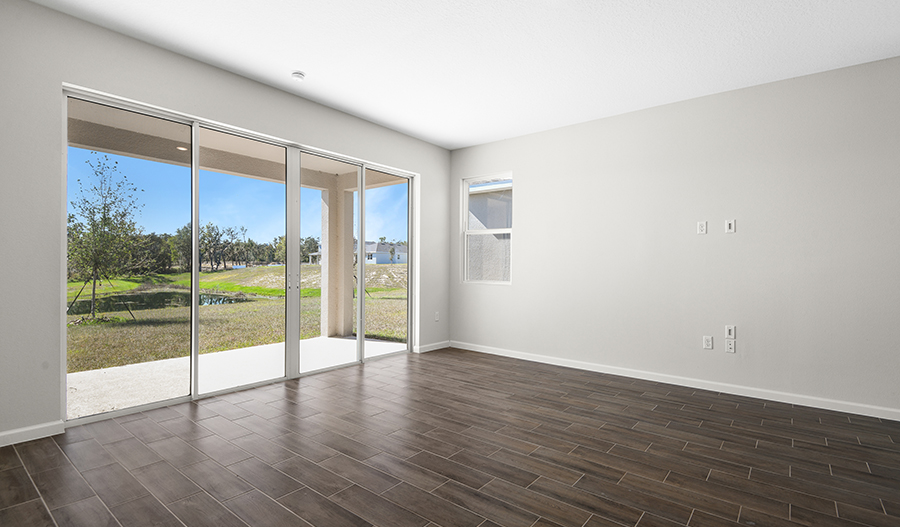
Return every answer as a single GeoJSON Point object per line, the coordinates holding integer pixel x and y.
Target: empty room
{"type": "Point", "coordinates": [451, 264]}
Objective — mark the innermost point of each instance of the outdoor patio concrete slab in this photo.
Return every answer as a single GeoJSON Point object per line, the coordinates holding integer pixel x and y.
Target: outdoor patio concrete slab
{"type": "Point", "coordinates": [227, 369]}
{"type": "Point", "coordinates": [327, 352]}
{"type": "Point", "coordinates": [108, 389]}
{"type": "Point", "coordinates": [104, 390]}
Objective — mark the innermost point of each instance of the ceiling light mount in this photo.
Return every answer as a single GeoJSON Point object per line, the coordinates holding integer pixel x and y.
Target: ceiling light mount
{"type": "Point", "coordinates": [298, 75]}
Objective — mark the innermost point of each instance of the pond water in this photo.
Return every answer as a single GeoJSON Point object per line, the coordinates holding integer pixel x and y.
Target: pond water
{"type": "Point", "coordinates": [149, 300]}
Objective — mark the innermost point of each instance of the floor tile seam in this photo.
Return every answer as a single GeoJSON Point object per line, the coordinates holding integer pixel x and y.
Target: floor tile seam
{"type": "Point", "coordinates": [590, 512]}
{"type": "Point", "coordinates": [39, 498]}
{"type": "Point", "coordinates": [58, 445]}
{"type": "Point", "coordinates": [220, 503]}
{"type": "Point", "coordinates": [848, 483]}
{"type": "Point", "coordinates": [495, 432]}
{"type": "Point", "coordinates": [25, 466]}
{"type": "Point", "coordinates": [264, 494]}
{"type": "Point", "coordinates": [554, 464]}
{"type": "Point", "coordinates": [319, 465]}
{"type": "Point", "coordinates": [86, 482]}
{"type": "Point", "coordinates": [657, 496]}
{"type": "Point", "coordinates": [534, 431]}
{"type": "Point", "coordinates": [493, 477]}
{"type": "Point", "coordinates": [850, 448]}
{"type": "Point", "coordinates": [825, 498]}
{"type": "Point", "coordinates": [33, 486]}
{"type": "Point", "coordinates": [773, 432]}
{"type": "Point", "coordinates": [80, 475]}
{"type": "Point", "coordinates": [273, 467]}
{"type": "Point", "coordinates": [693, 440]}
{"type": "Point", "coordinates": [56, 523]}
{"type": "Point", "coordinates": [161, 502]}
{"type": "Point", "coordinates": [653, 495]}
{"type": "Point", "coordinates": [401, 480]}
{"type": "Point", "coordinates": [701, 494]}
{"type": "Point", "coordinates": [883, 511]}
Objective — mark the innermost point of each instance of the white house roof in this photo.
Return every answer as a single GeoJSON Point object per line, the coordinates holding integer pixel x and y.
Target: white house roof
{"type": "Point", "coordinates": [377, 247]}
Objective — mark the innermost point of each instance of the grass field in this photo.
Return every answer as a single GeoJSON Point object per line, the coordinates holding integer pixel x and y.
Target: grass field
{"type": "Point", "coordinates": [164, 333]}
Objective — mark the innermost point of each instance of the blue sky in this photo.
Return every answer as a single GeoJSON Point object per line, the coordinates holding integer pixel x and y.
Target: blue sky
{"type": "Point", "coordinates": [232, 201]}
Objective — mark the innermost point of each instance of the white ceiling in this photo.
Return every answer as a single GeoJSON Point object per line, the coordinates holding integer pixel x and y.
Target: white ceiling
{"type": "Point", "coordinates": [464, 72]}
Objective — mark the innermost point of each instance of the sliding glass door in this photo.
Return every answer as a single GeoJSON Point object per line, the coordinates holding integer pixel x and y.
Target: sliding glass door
{"type": "Point", "coordinates": [128, 290]}
{"type": "Point", "coordinates": [386, 262]}
{"type": "Point", "coordinates": [242, 257]}
{"type": "Point", "coordinates": [328, 271]}
{"type": "Point", "coordinates": [201, 260]}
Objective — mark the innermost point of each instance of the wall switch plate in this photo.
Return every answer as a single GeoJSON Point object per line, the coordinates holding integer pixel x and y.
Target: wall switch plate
{"type": "Point", "coordinates": [707, 342]}
{"type": "Point", "coordinates": [437, 316]}
{"type": "Point", "coordinates": [730, 226]}
{"type": "Point", "coordinates": [730, 332]}
{"type": "Point", "coordinates": [729, 345]}
{"type": "Point", "coordinates": [701, 227]}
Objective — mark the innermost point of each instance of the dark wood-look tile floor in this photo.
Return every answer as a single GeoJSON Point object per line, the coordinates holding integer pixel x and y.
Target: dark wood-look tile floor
{"type": "Point", "coordinates": [460, 439]}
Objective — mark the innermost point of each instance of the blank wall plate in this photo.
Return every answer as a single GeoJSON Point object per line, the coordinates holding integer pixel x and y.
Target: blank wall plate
{"type": "Point", "coordinates": [707, 342]}
{"type": "Point", "coordinates": [729, 345]}
{"type": "Point", "coordinates": [730, 332]}
{"type": "Point", "coordinates": [730, 226]}
{"type": "Point", "coordinates": [701, 227]}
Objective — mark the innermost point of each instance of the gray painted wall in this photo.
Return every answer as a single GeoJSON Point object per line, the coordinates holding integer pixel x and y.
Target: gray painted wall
{"type": "Point", "coordinates": [608, 272]}
{"type": "Point", "coordinates": [41, 49]}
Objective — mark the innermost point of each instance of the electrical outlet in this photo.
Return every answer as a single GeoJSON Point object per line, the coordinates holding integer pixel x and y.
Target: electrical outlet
{"type": "Point", "coordinates": [437, 316]}
{"type": "Point", "coordinates": [701, 227]}
{"type": "Point", "coordinates": [707, 342]}
{"type": "Point", "coordinates": [729, 345]}
{"type": "Point", "coordinates": [730, 332]}
{"type": "Point", "coordinates": [730, 226]}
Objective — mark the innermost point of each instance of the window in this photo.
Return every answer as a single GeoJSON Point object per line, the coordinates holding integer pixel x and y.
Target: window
{"type": "Point", "coordinates": [487, 229]}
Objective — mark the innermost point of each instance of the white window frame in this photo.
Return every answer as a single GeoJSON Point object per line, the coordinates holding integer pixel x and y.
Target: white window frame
{"type": "Point", "coordinates": [465, 232]}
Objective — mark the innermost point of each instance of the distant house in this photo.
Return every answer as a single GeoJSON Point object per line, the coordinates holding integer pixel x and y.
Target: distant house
{"type": "Point", "coordinates": [380, 253]}
{"type": "Point", "coordinates": [376, 253]}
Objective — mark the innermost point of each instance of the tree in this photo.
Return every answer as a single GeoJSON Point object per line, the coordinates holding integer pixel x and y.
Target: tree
{"type": "Point", "coordinates": [243, 251]}
{"type": "Point", "coordinates": [152, 253]}
{"type": "Point", "coordinates": [181, 245]}
{"type": "Point", "coordinates": [308, 246]}
{"type": "Point", "coordinates": [280, 249]}
{"type": "Point", "coordinates": [211, 245]}
{"type": "Point", "coordinates": [102, 232]}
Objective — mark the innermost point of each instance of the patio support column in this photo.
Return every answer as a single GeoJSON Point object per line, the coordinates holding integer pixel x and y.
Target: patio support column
{"type": "Point", "coordinates": [337, 263]}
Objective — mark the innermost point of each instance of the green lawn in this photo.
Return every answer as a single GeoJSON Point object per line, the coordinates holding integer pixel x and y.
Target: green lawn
{"type": "Point", "coordinates": [117, 285]}
{"type": "Point", "coordinates": [164, 333]}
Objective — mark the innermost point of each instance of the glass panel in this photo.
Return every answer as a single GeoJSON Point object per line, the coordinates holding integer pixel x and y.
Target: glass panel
{"type": "Point", "coordinates": [387, 256]}
{"type": "Point", "coordinates": [328, 197]}
{"type": "Point", "coordinates": [490, 204]}
{"type": "Point", "coordinates": [242, 261]}
{"type": "Point", "coordinates": [488, 257]}
{"type": "Point", "coordinates": [129, 255]}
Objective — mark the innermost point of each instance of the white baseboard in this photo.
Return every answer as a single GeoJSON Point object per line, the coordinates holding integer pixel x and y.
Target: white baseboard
{"type": "Point", "coordinates": [431, 347]}
{"type": "Point", "coordinates": [784, 397]}
{"type": "Point", "coordinates": [28, 433]}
